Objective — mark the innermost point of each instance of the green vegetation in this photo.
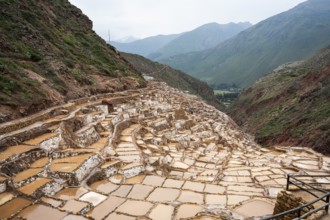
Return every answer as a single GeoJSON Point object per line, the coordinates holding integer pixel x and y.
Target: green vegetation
{"type": "Point", "coordinates": [7, 85]}
{"type": "Point", "coordinates": [243, 59]}
{"type": "Point", "coordinates": [227, 96]}
{"type": "Point", "coordinates": [49, 53]}
{"type": "Point", "coordinates": [174, 78]}
{"type": "Point", "coordinates": [289, 106]}
{"type": "Point", "coordinates": [15, 88]}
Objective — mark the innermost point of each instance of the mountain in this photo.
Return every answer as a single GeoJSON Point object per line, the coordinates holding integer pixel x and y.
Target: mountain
{"type": "Point", "coordinates": [49, 54]}
{"type": "Point", "coordinates": [292, 35]}
{"type": "Point", "coordinates": [290, 106]}
{"type": "Point", "coordinates": [201, 38]}
{"type": "Point", "coordinates": [127, 39]}
{"type": "Point", "coordinates": [145, 46]}
{"type": "Point", "coordinates": [173, 78]}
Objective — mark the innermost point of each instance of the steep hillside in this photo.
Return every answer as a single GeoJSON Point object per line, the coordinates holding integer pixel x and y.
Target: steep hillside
{"type": "Point", "coordinates": [201, 38]}
{"type": "Point", "coordinates": [289, 36]}
{"type": "Point", "coordinates": [49, 54]}
{"type": "Point", "coordinates": [145, 46]}
{"type": "Point", "coordinates": [174, 78]}
{"type": "Point", "coordinates": [290, 106]}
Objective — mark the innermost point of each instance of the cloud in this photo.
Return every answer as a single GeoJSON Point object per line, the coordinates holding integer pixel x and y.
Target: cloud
{"type": "Point", "coordinates": [142, 18]}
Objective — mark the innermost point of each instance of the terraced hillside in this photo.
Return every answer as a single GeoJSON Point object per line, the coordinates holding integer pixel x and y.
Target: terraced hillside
{"type": "Point", "coordinates": [138, 153]}
{"type": "Point", "coordinates": [49, 54]}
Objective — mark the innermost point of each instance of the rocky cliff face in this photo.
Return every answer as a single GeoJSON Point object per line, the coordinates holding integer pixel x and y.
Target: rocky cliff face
{"type": "Point", "coordinates": [290, 106]}
{"type": "Point", "coordinates": [49, 54]}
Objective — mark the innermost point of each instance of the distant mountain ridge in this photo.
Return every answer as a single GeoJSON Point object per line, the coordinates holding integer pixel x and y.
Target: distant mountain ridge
{"type": "Point", "coordinates": [144, 46]}
{"type": "Point", "coordinates": [290, 106]}
{"type": "Point", "coordinates": [201, 38]}
{"type": "Point", "coordinates": [127, 39]}
{"type": "Point", "coordinates": [292, 35]}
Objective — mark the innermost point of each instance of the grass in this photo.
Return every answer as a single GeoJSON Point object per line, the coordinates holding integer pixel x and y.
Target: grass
{"type": "Point", "coordinates": [228, 96]}
{"type": "Point", "coordinates": [8, 85]}
{"type": "Point", "coordinates": [290, 106]}
{"type": "Point", "coordinates": [54, 40]}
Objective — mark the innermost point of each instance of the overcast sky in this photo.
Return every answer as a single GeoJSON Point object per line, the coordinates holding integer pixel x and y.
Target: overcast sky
{"type": "Point", "coordinates": [143, 18]}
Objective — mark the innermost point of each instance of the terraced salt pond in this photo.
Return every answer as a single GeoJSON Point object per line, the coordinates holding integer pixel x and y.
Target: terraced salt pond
{"type": "Point", "coordinates": [159, 154]}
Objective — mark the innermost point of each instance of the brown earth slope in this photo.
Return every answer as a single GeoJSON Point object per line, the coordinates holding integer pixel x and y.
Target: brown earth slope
{"type": "Point", "coordinates": [290, 106]}
{"type": "Point", "coordinates": [49, 54]}
{"type": "Point", "coordinates": [174, 78]}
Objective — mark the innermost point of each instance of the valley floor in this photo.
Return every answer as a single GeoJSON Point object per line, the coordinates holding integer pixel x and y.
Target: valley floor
{"type": "Point", "coordinates": [154, 153]}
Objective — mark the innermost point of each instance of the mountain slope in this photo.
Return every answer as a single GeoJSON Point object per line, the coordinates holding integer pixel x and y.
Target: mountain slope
{"type": "Point", "coordinates": [290, 106]}
{"type": "Point", "coordinates": [145, 46]}
{"type": "Point", "coordinates": [289, 36]}
{"type": "Point", "coordinates": [127, 39]}
{"type": "Point", "coordinates": [49, 54]}
{"type": "Point", "coordinates": [174, 78]}
{"type": "Point", "coordinates": [201, 38]}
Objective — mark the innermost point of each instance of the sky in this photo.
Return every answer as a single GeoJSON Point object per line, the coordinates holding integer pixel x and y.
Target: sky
{"type": "Point", "coordinates": [144, 18]}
